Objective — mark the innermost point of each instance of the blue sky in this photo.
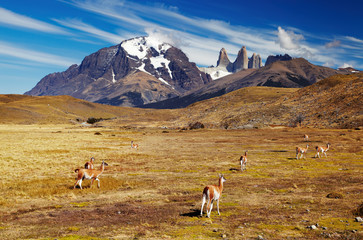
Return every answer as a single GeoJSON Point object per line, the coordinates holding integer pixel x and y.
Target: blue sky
{"type": "Point", "coordinates": [39, 37]}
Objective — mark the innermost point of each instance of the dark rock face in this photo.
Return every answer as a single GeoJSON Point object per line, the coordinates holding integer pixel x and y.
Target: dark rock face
{"type": "Point", "coordinates": [272, 59]}
{"type": "Point", "coordinates": [101, 77]}
{"type": "Point", "coordinates": [185, 75]}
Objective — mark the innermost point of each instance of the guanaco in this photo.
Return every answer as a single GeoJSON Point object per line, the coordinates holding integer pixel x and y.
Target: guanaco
{"type": "Point", "coordinates": [89, 164]}
{"type": "Point", "coordinates": [306, 138]}
{"type": "Point", "coordinates": [302, 151]}
{"type": "Point", "coordinates": [211, 193]}
{"type": "Point", "coordinates": [243, 160]}
{"type": "Point", "coordinates": [321, 149]}
{"type": "Point", "coordinates": [92, 174]}
{"type": "Point", "coordinates": [134, 145]}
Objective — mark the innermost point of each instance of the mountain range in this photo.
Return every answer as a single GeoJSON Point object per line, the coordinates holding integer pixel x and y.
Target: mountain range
{"type": "Point", "coordinates": [145, 72]}
{"type": "Point", "coordinates": [294, 73]}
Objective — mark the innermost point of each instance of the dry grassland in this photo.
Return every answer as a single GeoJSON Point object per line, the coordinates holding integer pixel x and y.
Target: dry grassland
{"type": "Point", "coordinates": [155, 192]}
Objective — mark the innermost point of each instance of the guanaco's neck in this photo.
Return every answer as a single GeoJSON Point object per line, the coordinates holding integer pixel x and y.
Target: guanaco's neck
{"type": "Point", "coordinates": [221, 184]}
{"type": "Point", "coordinates": [102, 167]}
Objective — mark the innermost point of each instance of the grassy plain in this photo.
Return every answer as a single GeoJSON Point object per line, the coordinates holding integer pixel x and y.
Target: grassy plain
{"type": "Point", "coordinates": [155, 192]}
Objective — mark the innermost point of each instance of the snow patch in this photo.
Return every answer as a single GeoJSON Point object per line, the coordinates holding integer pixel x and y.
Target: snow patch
{"type": "Point", "coordinates": [160, 61]}
{"type": "Point", "coordinates": [163, 81]}
{"type": "Point", "coordinates": [215, 72]}
{"type": "Point", "coordinates": [139, 46]}
{"type": "Point", "coordinates": [135, 47]}
{"type": "Point", "coordinates": [219, 74]}
{"type": "Point", "coordinates": [113, 77]}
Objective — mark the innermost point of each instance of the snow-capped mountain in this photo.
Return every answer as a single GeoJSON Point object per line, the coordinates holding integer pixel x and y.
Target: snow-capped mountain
{"type": "Point", "coordinates": [136, 72]}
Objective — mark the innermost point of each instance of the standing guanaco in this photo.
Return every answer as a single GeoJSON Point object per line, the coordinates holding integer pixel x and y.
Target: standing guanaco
{"type": "Point", "coordinates": [321, 149]}
{"type": "Point", "coordinates": [211, 193]}
{"type": "Point", "coordinates": [306, 138]}
{"type": "Point", "coordinates": [92, 174]}
{"type": "Point", "coordinates": [243, 160]}
{"type": "Point", "coordinates": [302, 151]}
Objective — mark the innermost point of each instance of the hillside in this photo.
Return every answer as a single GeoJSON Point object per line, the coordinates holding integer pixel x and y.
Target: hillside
{"type": "Point", "coordinates": [335, 102]}
{"type": "Point", "coordinates": [23, 109]}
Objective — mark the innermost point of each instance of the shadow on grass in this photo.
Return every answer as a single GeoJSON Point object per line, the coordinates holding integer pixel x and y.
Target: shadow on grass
{"type": "Point", "coordinates": [193, 213]}
{"type": "Point", "coordinates": [234, 169]}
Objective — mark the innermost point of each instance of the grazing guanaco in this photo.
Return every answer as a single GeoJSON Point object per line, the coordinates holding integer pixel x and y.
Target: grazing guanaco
{"type": "Point", "coordinates": [321, 149]}
{"type": "Point", "coordinates": [243, 160]}
{"type": "Point", "coordinates": [134, 145]}
{"type": "Point", "coordinates": [92, 174]}
{"type": "Point", "coordinates": [89, 164]}
{"type": "Point", "coordinates": [306, 138]}
{"type": "Point", "coordinates": [212, 193]}
{"type": "Point", "coordinates": [302, 151]}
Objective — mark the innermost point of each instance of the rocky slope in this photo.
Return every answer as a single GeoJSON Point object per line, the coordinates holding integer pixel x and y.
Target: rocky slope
{"type": "Point", "coordinates": [137, 71]}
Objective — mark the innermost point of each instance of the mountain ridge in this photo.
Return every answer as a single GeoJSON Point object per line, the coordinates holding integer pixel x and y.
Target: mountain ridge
{"type": "Point", "coordinates": [294, 73]}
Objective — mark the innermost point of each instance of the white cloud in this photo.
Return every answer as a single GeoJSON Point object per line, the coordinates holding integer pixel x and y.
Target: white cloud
{"type": "Point", "coordinates": [10, 18]}
{"type": "Point", "coordinates": [35, 56]}
{"type": "Point", "coordinates": [288, 40]}
{"type": "Point", "coordinates": [165, 36]}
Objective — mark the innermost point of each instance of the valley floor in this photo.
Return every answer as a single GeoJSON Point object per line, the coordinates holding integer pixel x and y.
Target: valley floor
{"type": "Point", "coordinates": [155, 191]}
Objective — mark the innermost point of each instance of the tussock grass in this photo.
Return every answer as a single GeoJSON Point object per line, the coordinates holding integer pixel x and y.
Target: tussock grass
{"type": "Point", "coordinates": [155, 192]}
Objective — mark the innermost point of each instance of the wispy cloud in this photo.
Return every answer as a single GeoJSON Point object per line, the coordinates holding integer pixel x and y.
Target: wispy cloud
{"type": "Point", "coordinates": [193, 31]}
{"type": "Point", "coordinates": [8, 49]}
{"type": "Point", "coordinates": [333, 44]}
{"type": "Point", "coordinates": [353, 39]}
{"type": "Point", "coordinates": [87, 28]}
{"type": "Point", "coordinates": [12, 19]}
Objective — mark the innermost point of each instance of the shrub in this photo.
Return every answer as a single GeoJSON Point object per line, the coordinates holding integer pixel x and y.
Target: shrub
{"type": "Point", "coordinates": [93, 120]}
{"type": "Point", "coordinates": [196, 125]}
{"type": "Point", "coordinates": [335, 195]}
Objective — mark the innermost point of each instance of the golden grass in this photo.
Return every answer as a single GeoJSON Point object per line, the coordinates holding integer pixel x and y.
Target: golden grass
{"type": "Point", "coordinates": [155, 192]}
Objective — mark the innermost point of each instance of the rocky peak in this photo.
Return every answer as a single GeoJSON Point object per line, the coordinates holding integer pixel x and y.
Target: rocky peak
{"type": "Point", "coordinates": [241, 61]}
{"type": "Point", "coordinates": [276, 58]}
{"type": "Point", "coordinates": [223, 60]}
{"type": "Point", "coordinates": [255, 61]}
